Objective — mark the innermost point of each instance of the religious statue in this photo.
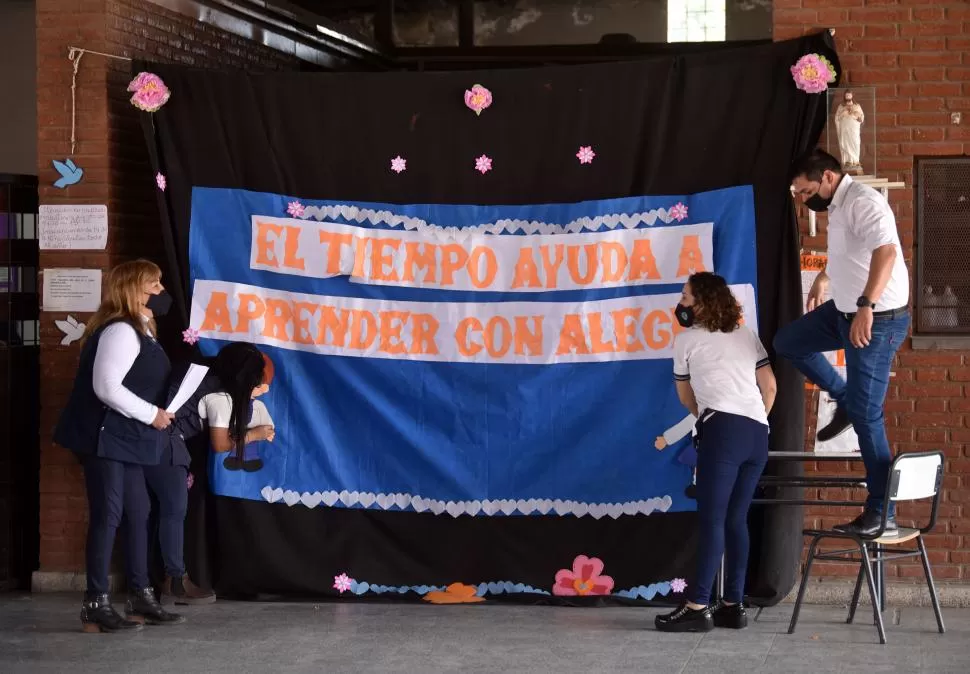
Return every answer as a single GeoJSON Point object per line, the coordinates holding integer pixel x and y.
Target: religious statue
{"type": "Point", "coordinates": [848, 126]}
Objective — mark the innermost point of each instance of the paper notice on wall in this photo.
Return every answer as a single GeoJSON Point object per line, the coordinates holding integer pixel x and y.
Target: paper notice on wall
{"type": "Point", "coordinates": [73, 227]}
{"type": "Point", "coordinates": [71, 290]}
{"type": "Point", "coordinates": [812, 265]}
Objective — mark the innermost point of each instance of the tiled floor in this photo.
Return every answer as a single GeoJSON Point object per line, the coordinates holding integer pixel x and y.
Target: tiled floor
{"type": "Point", "coordinates": [40, 634]}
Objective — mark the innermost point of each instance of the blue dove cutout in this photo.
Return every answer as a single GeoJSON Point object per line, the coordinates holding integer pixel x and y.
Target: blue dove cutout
{"type": "Point", "coordinates": [70, 173]}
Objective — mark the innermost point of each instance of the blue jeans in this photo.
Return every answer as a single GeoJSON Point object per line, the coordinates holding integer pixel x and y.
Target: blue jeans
{"type": "Point", "coordinates": [863, 393]}
{"type": "Point", "coordinates": [731, 454]}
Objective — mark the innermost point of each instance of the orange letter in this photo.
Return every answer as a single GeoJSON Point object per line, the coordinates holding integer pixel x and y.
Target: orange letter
{"type": "Point", "coordinates": [596, 335]}
{"type": "Point", "coordinates": [626, 333]}
{"type": "Point", "coordinates": [611, 275]}
{"type": "Point", "coordinates": [363, 329]}
{"type": "Point", "coordinates": [526, 338]}
{"type": "Point", "coordinates": [301, 326]}
{"type": "Point", "coordinates": [361, 248]}
{"type": "Point", "coordinates": [505, 341]}
{"type": "Point", "coordinates": [424, 328]}
{"type": "Point", "coordinates": [453, 258]}
{"type": "Point", "coordinates": [378, 259]}
{"type": "Point", "coordinates": [643, 263]}
{"type": "Point", "coordinates": [474, 266]}
{"type": "Point", "coordinates": [251, 308]}
{"type": "Point", "coordinates": [551, 267]}
{"type": "Point", "coordinates": [572, 262]}
{"type": "Point", "coordinates": [461, 336]}
{"type": "Point", "coordinates": [278, 314]}
{"type": "Point", "coordinates": [526, 271]}
{"type": "Point", "coordinates": [691, 259]}
{"type": "Point", "coordinates": [390, 331]}
{"type": "Point", "coordinates": [337, 327]}
{"type": "Point", "coordinates": [264, 246]}
{"type": "Point", "coordinates": [572, 336]}
{"type": "Point", "coordinates": [217, 314]}
{"type": "Point", "coordinates": [412, 259]}
{"type": "Point", "coordinates": [291, 249]}
{"type": "Point", "coordinates": [334, 243]}
{"type": "Point", "coordinates": [656, 339]}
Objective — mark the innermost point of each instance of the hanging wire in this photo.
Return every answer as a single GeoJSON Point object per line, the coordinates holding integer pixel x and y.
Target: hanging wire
{"type": "Point", "coordinates": [74, 55]}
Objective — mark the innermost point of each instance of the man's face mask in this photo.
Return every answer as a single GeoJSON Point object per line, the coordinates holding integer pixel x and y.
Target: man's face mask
{"type": "Point", "coordinates": [819, 202]}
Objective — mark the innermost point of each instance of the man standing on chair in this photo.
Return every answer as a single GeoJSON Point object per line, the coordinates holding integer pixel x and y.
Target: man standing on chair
{"type": "Point", "coordinates": [868, 316]}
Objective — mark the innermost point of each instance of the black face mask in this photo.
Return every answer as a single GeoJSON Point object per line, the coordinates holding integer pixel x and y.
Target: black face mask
{"type": "Point", "coordinates": [818, 203]}
{"type": "Point", "coordinates": [685, 315]}
{"type": "Point", "coordinates": [159, 304]}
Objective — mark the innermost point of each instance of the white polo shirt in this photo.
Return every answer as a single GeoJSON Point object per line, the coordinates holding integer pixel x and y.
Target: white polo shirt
{"type": "Point", "coordinates": [860, 220]}
{"type": "Point", "coordinates": [721, 369]}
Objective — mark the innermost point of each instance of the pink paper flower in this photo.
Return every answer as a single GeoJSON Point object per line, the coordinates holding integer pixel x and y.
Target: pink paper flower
{"type": "Point", "coordinates": [190, 336]}
{"type": "Point", "coordinates": [678, 585]}
{"type": "Point", "coordinates": [813, 73]}
{"type": "Point", "coordinates": [585, 154]}
{"type": "Point", "coordinates": [478, 98]}
{"type": "Point", "coordinates": [189, 480]}
{"type": "Point", "coordinates": [399, 164]}
{"type": "Point", "coordinates": [295, 209]}
{"type": "Point", "coordinates": [583, 579]}
{"type": "Point", "coordinates": [149, 92]}
{"type": "Point", "coordinates": [342, 583]}
{"type": "Point", "coordinates": [483, 164]}
{"type": "Point", "coordinates": [161, 182]}
{"type": "Point", "coordinates": [678, 211]}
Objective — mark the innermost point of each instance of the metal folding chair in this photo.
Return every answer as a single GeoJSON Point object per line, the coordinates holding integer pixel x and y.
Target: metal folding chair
{"type": "Point", "coordinates": [913, 476]}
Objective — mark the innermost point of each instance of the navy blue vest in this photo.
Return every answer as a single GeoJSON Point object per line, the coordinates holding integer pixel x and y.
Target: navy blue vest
{"type": "Point", "coordinates": [89, 427]}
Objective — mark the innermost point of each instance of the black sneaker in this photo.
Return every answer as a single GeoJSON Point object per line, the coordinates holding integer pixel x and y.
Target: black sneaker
{"type": "Point", "coordinates": [867, 525]}
{"type": "Point", "coordinates": [733, 617]}
{"type": "Point", "coordinates": [143, 607]}
{"type": "Point", "coordinates": [98, 615]}
{"type": "Point", "coordinates": [840, 424]}
{"type": "Point", "coordinates": [686, 620]}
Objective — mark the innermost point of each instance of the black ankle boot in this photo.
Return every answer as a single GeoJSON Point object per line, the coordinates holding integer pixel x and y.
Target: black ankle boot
{"type": "Point", "coordinates": [98, 615]}
{"type": "Point", "coordinates": [733, 617]}
{"type": "Point", "coordinates": [143, 607]}
{"type": "Point", "coordinates": [686, 620]}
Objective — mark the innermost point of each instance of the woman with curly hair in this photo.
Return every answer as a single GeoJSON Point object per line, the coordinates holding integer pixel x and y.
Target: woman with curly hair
{"type": "Point", "coordinates": [723, 377]}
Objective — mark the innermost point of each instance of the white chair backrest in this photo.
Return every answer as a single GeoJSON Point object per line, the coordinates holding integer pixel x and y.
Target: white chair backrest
{"type": "Point", "coordinates": [916, 477]}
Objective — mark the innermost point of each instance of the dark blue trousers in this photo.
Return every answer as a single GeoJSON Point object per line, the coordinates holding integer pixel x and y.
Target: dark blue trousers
{"type": "Point", "coordinates": [731, 454]}
{"type": "Point", "coordinates": [167, 483]}
{"type": "Point", "coordinates": [116, 493]}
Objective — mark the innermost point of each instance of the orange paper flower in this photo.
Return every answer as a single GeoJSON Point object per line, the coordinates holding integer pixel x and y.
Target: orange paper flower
{"type": "Point", "coordinates": [456, 593]}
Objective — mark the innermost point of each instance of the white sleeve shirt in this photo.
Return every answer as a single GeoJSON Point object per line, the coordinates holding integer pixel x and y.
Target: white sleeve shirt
{"type": "Point", "coordinates": [118, 347]}
{"type": "Point", "coordinates": [860, 221]}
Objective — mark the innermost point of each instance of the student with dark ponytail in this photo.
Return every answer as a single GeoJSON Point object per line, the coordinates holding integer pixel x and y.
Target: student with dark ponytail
{"type": "Point", "coordinates": [238, 422]}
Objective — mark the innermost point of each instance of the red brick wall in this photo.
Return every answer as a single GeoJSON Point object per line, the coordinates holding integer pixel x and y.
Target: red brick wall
{"type": "Point", "coordinates": [111, 150]}
{"type": "Point", "coordinates": [917, 55]}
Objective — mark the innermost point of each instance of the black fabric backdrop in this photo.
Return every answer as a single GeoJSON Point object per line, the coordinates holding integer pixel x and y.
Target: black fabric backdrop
{"type": "Point", "coordinates": [664, 125]}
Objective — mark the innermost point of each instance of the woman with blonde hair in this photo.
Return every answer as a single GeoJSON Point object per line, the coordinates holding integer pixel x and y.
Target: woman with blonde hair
{"type": "Point", "coordinates": [116, 424]}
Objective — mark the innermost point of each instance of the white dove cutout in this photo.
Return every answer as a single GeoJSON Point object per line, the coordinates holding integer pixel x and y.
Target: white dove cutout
{"type": "Point", "coordinates": [72, 330]}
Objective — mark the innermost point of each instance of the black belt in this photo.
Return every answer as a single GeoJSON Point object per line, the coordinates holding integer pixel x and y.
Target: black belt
{"type": "Point", "coordinates": [887, 314]}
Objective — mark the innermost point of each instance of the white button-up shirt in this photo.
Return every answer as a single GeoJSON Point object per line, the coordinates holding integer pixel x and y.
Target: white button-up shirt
{"type": "Point", "coordinates": [860, 221]}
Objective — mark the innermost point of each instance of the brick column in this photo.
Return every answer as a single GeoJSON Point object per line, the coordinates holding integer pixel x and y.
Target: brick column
{"type": "Point", "coordinates": [917, 56]}
{"type": "Point", "coordinates": [111, 150]}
